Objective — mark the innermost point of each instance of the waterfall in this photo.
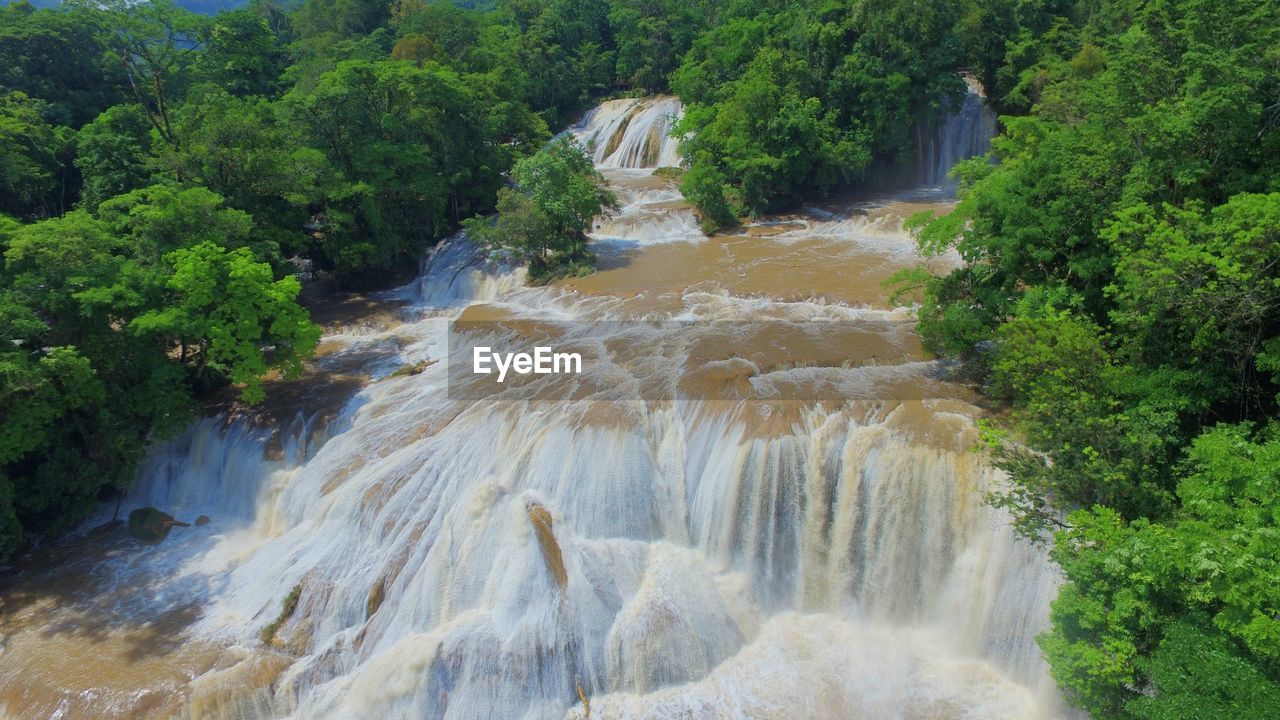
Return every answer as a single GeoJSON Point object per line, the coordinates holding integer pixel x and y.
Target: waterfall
{"type": "Point", "coordinates": [680, 557]}
{"type": "Point", "coordinates": [962, 133]}
{"type": "Point", "coordinates": [457, 272]}
{"type": "Point", "coordinates": [631, 133]}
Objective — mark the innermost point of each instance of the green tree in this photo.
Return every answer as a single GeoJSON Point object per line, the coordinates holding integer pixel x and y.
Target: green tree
{"type": "Point", "coordinates": [1199, 290]}
{"type": "Point", "coordinates": [1119, 290]}
{"type": "Point", "coordinates": [58, 56]}
{"type": "Point", "coordinates": [155, 44]}
{"type": "Point", "coordinates": [107, 325]}
{"type": "Point", "coordinates": [1114, 431]}
{"type": "Point", "coordinates": [1195, 673]}
{"type": "Point", "coordinates": [704, 185]}
{"type": "Point", "coordinates": [79, 396]}
{"type": "Point", "coordinates": [447, 27]}
{"type": "Point", "coordinates": [651, 37]}
{"type": "Point", "coordinates": [343, 18]}
{"type": "Point", "coordinates": [113, 154]}
{"type": "Point", "coordinates": [242, 150]}
{"type": "Point", "coordinates": [414, 153]}
{"type": "Point", "coordinates": [1161, 244]}
{"type": "Point", "coordinates": [243, 55]}
{"type": "Point", "coordinates": [545, 219]}
{"type": "Point", "coordinates": [160, 218]}
{"type": "Point", "coordinates": [1138, 592]}
{"type": "Point", "coordinates": [34, 178]}
{"type": "Point", "coordinates": [793, 103]}
{"type": "Point", "coordinates": [227, 311]}
{"type": "Point", "coordinates": [48, 401]}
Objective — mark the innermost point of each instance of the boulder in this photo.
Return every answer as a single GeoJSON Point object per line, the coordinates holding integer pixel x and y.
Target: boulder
{"type": "Point", "coordinates": [376, 595]}
{"type": "Point", "coordinates": [544, 530]}
{"type": "Point", "coordinates": [151, 525]}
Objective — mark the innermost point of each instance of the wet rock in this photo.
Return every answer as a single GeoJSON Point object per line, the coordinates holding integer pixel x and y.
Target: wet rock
{"type": "Point", "coordinates": [551, 555]}
{"type": "Point", "coordinates": [376, 595]}
{"type": "Point", "coordinates": [413, 369]}
{"type": "Point", "coordinates": [202, 521]}
{"type": "Point", "coordinates": [151, 525]}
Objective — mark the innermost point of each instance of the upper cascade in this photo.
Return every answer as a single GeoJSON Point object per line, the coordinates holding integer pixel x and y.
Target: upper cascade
{"type": "Point", "coordinates": [631, 132]}
{"type": "Point", "coordinates": [964, 133]}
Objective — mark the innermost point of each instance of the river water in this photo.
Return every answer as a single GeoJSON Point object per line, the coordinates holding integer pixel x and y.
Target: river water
{"type": "Point", "coordinates": [703, 550]}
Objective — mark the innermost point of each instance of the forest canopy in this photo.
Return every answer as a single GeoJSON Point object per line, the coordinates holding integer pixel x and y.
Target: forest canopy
{"type": "Point", "coordinates": [1120, 289]}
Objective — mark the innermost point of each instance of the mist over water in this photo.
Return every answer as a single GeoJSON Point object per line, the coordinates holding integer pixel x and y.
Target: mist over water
{"type": "Point", "coordinates": [684, 557]}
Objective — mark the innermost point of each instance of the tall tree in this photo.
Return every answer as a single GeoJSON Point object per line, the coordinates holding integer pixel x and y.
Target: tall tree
{"type": "Point", "coordinates": [227, 311]}
{"type": "Point", "coordinates": [413, 151]}
{"type": "Point", "coordinates": [58, 56]}
{"type": "Point", "coordinates": [155, 43]}
{"type": "Point", "coordinates": [35, 178]}
{"type": "Point", "coordinates": [114, 153]}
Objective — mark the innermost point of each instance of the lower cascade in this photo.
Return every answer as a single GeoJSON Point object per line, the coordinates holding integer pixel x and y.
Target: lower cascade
{"type": "Point", "coordinates": [607, 556]}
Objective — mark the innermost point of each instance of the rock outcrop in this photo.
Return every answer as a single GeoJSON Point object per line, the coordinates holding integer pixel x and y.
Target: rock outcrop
{"type": "Point", "coordinates": [151, 525]}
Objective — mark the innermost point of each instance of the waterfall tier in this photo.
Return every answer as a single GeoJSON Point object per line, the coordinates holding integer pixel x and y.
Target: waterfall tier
{"type": "Point", "coordinates": [631, 133]}
{"type": "Point", "coordinates": [962, 134]}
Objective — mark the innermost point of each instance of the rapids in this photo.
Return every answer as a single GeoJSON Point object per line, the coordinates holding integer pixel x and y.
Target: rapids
{"type": "Point", "coordinates": [704, 555]}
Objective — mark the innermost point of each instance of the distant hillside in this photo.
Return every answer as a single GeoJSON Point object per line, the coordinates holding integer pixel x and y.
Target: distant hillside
{"type": "Point", "coordinates": [204, 7]}
{"type": "Point", "coordinates": [213, 7]}
{"type": "Point", "coordinates": [210, 7]}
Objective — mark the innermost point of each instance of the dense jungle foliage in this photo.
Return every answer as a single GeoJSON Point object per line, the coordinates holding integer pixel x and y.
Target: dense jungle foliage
{"type": "Point", "coordinates": [1120, 288]}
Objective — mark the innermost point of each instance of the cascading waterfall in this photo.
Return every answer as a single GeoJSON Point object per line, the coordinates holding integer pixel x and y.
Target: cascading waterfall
{"type": "Point", "coordinates": [962, 134]}
{"type": "Point", "coordinates": [456, 273]}
{"type": "Point", "coordinates": [678, 558]}
{"type": "Point", "coordinates": [650, 213]}
{"type": "Point", "coordinates": [631, 133]}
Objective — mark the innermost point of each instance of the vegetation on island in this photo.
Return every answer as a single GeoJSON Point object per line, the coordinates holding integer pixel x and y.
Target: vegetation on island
{"type": "Point", "coordinates": [543, 220]}
{"type": "Point", "coordinates": [288, 606]}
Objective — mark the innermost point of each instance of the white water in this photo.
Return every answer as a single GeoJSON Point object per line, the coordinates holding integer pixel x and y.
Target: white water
{"type": "Point", "coordinates": [843, 567]}
{"type": "Point", "coordinates": [962, 134]}
{"type": "Point", "coordinates": [647, 215]}
{"type": "Point", "coordinates": [456, 273]}
{"type": "Point", "coordinates": [631, 133]}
